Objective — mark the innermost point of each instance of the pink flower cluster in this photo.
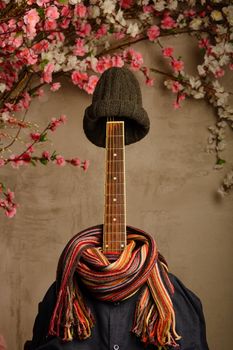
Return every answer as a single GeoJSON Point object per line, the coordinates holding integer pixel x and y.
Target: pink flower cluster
{"type": "Point", "coordinates": [61, 161]}
{"type": "Point", "coordinates": [134, 58]}
{"type": "Point", "coordinates": [31, 18]}
{"type": "Point", "coordinates": [47, 73]}
{"type": "Point", "coordinates": [153, 33]}
{"type": "Point", "coordinates": [55, 122]}
{"type": "Point", "coordinates": [85, 82]}
{"type": "Point", "coordinates": [7, 203]}
{"type": "Point", "coordinates": [176, 103]}
{"type": "Point", "coordinates": [108, 61]}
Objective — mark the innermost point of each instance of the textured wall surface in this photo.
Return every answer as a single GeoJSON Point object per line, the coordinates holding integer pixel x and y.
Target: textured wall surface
{"type": "Point", "coordinates": [170, 193]}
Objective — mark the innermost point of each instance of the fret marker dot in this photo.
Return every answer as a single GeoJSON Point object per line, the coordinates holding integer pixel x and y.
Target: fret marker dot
{"type": "Point", "coordinates": [122, 245]}
{"type": "Point", "coordinates": [115, 154]}
{"type": "Point", "coordinates": [106, 245]}
{"type": "Point", "coordinates": [114, 178]}
{"type": "Point", "coordinates": [114, 199]}
{"type": "Point", "coordinates": [114, 219]}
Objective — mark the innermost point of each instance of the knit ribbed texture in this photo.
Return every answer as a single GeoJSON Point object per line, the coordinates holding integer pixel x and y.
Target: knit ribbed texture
{"type": "Point", "coordinates": [118, 95]}
{"type": "Point", "coordinates": [139, 264]}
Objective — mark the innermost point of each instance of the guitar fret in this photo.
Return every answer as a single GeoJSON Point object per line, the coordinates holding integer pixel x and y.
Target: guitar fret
{"type": "Point", "coordinates": [107, 148]}
{"type": "Point", "coordinates": [111, 172]}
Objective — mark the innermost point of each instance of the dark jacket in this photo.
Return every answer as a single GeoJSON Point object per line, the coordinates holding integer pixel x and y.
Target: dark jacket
{"type": "Point", "coordinates": [114, 322]}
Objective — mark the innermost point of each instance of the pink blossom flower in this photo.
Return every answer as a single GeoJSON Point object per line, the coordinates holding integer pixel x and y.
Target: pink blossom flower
{"type": "Point", "coordinates": [89, 87]}
{"type": "Point", "coordinates": [3, 204]}
{"type": "Point", "coordinates": [47, 74]}
{"type": "Point", "coordinates": [63, 118]}
{"type": "Point", "coordinates": [181, 97]}
{"type": "Point", "coordinates": [65, 22]}
{"type": "Point", "coordinates": [202, 14]}
{"type": "Point", "coordinates": [66, 11]}
{"type": "Point", "coordinates": [119, 35]}
{"type": "Point", "coordinates": [176, 105]}
{"type": "Point", "coordinates": [75, 161]}
{"type": "Point", "coordinates": [84, 30]}
{"type": "Point", "coordinates": [189, 13]}
{"type": "Point", "coordinates": [46, 155]}
{"type": "Point", "coordinates": [176, 86]}
{"type": "Point", "coordinates": [55, 86]}
{"type": "Point", "coordinates": [28, 56]}
{"type": "Point", "coordinates": [177, 65]}
{"type": "Point", "coordinates": [125, 4]}
{"type": "Point", "coordinates": [135, 58]}
{"type": "Point", "coordinates": [41, 46]}
{"type": "Point", "coordinates": [50, 24]}
{"type": "Point", "coordinates": [149, 82]}
{"type": "Point", "coordinates": [42, 2]}
{"type": "Point", "coordinates": [30, 148]}
{"type": "Point", "coordinates": [10, 213]}
{"type": "Point", "coordinates": [117, 61]}
{"type": "Point", "coordinates": [219, 73]}
{"type": "Point", "coordinates": [26, 158]}
{"type": "Point", "coordinates": [40, 92]}
{"type": "Point", "coordinates": [57, 122]}
{"type": "Point", "coordinates": [101, 31]}
{"type": "Point", "coordinates": [60, 160]}
{"type": "Point", "coordinates": [31, 19]}
{"type": "Point", "coordinates": [79, 49]}
{"type": "Point", "coordinates": [2, 162]}
{"type": "Point", "coordinates": [103, 63]}
{"type": "Point", "coordinates": [168, 51]}
{"type": "Point", "coordinates": [168, 22]}
{"type": "Point", "coordinates": [80, 10]}
{"type": "Point", "coordinates": [153, 32]}
{"type": "Point", "coordinates": [52, 12]}
{"type": "Point", "coordinates": [24, 103]}
{"type": "Point", "coordinates": [203, 43]}
{"type": "Point", "coordinates": [35, 136]}
{"type": "Point", "coordinates": [79, 78]}
{"type": "Point", "coordinates": [10, 195]}
{"type": "Point", "coordinates": [15, 161]}
{"type": "Point", "coordinates": [148, 9]}
{"type": "Point", "coordinates": [85, 165]}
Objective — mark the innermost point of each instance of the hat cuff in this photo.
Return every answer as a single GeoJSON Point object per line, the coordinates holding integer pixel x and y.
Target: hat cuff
{"type": "Point", "coordinates": [137, 123]}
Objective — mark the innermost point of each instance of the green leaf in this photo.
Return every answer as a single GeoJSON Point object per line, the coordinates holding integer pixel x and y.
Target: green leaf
{"type": "Point", "coordinates": [40, 11]}
{"type": "Point", "coordinates": [43, 137]}
{"type": "Point", "coordinates": [63, 1]}
{"type": "Point", "coordinates": [44, 161]}
{"type": "Point", "coordinates": [33, 162]}
{"type": "Point", "coordinates": [53, 156]}
{"type": "Point", "coordinates": [43, 63]}
{"type": "Point", "coordinates": [111, 29]}
{"type": "Point", "coordinates": [220, 161]}
{"type": "Point", "coordinates": [3, 186]}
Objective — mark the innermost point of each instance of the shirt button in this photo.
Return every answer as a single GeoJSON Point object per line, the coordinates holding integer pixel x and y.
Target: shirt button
{"type": "Point", "coordinates": [116, 347]}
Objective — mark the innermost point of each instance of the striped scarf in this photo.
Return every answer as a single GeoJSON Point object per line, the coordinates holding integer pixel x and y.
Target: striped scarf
{"type": "Point", "coordinates": [139, 264]}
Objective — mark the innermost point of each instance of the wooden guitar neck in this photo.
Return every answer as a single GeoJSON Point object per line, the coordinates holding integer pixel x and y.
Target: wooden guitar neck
{"type": "Point", "coordinates": [114, 235]}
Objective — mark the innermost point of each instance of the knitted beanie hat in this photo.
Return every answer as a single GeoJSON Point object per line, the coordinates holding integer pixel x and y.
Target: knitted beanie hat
{"type": "Point", "coordinates": [118, 95]}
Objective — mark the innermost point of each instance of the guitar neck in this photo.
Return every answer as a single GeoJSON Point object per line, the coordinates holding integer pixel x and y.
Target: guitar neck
{"type": "Point", "coordinates": [114, 239]}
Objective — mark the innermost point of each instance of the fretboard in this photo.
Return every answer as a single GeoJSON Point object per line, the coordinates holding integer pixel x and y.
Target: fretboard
{"type": "Point", "coordinates": [114, 239]}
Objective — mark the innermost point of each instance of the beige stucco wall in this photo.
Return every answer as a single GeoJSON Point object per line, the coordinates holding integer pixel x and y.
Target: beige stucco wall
{"type": "Point", "coordinates": [170, 194]}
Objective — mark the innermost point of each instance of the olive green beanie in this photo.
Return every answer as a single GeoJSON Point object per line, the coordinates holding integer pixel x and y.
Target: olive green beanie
{"type": "Point", "coordinates": [118, 95]}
